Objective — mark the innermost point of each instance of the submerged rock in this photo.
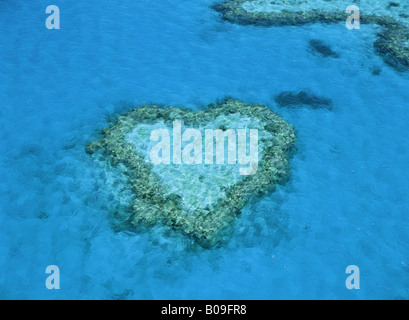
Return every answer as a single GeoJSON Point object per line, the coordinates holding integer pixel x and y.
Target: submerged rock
{"type": "Point", "coordinates": [200, 199]}
{"type": "Point", "coordinates": [291, 99]}
{"type": "Point", "coordinates": [390, 44]}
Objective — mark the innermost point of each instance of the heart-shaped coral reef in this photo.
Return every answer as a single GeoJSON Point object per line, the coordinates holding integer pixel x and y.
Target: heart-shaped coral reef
{"type": "Point", "coordinates": [197, 194]}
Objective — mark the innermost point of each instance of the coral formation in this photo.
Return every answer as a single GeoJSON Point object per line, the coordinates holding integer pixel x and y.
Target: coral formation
{"type": "Point", "coordinates": [291, 99]}
{"type": "Point", "coordinates": [320, 48]}
{"type": "Point", "coordinates": [198, 200]}
{"type": "Point", "coordinates": [391, 41]}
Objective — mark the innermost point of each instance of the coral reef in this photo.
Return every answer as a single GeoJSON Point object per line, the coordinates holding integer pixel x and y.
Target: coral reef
{"type": "Point", "coordinates": [391, 43]}
{"type": "Point", "coordinates": [320, 48]}
{"type": "Point", "coordinates": [292, 99]}
{"type": "Point", "coordinates": [201, 201]}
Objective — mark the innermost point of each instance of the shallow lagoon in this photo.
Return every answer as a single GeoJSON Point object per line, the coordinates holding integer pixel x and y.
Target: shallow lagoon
{"type": "Point", "coordinates": [346, 202]}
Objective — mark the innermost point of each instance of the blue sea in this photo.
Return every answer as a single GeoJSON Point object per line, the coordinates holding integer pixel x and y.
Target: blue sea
{"type": "Point", "coordinates": [345, 204]}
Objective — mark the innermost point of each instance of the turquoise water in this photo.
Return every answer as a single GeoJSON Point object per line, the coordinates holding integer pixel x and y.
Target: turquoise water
{"type": "Point", "coordinates": [346, 203]}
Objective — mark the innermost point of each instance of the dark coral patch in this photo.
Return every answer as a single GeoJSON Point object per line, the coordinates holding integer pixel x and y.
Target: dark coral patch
{"type": "Point", "coordinates": [291, 99]}
{"type": "Point", "coordinates": [320, 48]}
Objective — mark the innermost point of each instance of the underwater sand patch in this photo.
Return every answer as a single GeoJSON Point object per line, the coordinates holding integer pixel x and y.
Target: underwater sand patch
{"type": "Point", "coordinates": [199, 200]}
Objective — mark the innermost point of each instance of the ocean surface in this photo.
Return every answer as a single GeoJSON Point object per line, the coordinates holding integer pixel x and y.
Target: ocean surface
{"type": "Point", "coordinates": [345, 204]}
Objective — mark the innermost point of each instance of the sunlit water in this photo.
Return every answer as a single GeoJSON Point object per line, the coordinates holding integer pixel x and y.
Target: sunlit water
{"type": "Point", "coordinates": [345, 204]}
